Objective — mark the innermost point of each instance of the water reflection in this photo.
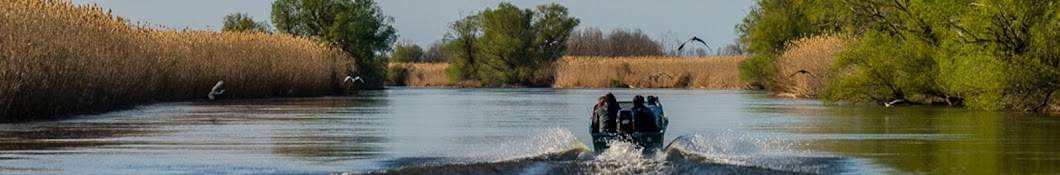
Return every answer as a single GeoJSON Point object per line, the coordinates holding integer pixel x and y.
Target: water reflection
{"type": "Point", "coordinates": [336, 134]}
{"type": "Point", "coordinates": [50, 137]}
{"type": "Point", "coordinates": [939, 140]}
{"type": "Point", "coordinates": [449, 126]}
{"type": "Point", "coordinates": [224, 136]}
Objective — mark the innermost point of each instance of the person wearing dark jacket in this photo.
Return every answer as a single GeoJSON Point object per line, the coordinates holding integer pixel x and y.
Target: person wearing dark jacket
{"type": "Point", "coordinates": [608, 122]}
{"type": "Point", "coordinates": [643, 117]}
{"type": "Point", "coordinates": [599, 110]}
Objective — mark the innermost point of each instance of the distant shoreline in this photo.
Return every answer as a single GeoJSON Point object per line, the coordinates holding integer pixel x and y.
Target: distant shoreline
{"type": "Point", "coordinates": [600, 72]}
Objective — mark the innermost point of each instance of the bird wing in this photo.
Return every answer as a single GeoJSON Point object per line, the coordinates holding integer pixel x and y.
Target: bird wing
{"type": "Point", "coordinates": [682, 46]}
{"type": "Point", "coordinates": [693, 39]}
{"type": "Point", "coordinates": [804, 72]}
{"type": "Point", "coordinates": [218, 86]}
{"type": "Point", "coordinates": [348, 78]}
{"type": "Point", "coordinates": [700, 40]}
{"type": "Point", "coordinates": [358, 78]}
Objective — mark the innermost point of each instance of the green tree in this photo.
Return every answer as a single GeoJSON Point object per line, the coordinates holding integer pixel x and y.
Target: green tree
{"type": "Point", "coordinates": [407, 52]}
{"type": "Point", "coordinates": [1021, 36]}
{"type": "Point", "coordinates": [985, 54]}
{"type": "Point", "coordinates": [508, 45]}
{"type": "Point", "coordinates": [240, 22]}
{"type": "Point", "coordinates": [462, 49]}
{"type": "Point", "coordinates": [554, 26]}
{"type": "Point", "coordinates": [358, 27]}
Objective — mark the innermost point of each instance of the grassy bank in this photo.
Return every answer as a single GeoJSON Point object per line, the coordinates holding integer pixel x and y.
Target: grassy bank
{"type": "Point", "coordinates": [598, 72]}
{"type": "Point", "coordinates": [60, 59]}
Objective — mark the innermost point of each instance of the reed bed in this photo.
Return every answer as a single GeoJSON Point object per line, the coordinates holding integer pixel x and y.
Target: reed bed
{"type": "Point", "coordinates": [815, 56]}
{"type": "Point", "coordinates": [59, 59]}
{"type": "Point", "coordinates": [605, 72]}
{"type": "Point", "coordinates": [426, 75]}
{"type": "Point", "coordinates": [649, 72]}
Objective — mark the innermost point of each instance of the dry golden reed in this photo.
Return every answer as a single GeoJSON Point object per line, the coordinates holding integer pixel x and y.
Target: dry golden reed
{"type": "Point", "coordinates": [649, 72]}
{"type": "Point", "coordinates": [426, 74]}
{"type": "Point", "coordinates": [60, 59]}
{"type": "Point", "coordinates": [803, 68]}
{"type": "Point", "coordinates": [599, 72]}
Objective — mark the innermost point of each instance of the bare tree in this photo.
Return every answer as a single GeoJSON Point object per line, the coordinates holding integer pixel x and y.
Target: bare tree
{"type": "Point", "coordinates": [618, 43]}
{"type": "Point", "coordinates": [736, 48]}
{"type": "Point", "coordinates": [436, 53]}
{"type": "Point", "coordinates": [701, 52]}
{"type": "Point", "coordinates": [587, 42]}
{"type": "Point", "coordinates": [669, 43]}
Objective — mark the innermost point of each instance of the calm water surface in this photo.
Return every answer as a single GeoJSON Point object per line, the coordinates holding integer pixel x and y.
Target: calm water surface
{"type": "Point", "coordinates": [529, 131]}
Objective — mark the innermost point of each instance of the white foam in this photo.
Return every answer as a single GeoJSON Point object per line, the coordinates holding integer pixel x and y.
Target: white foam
{"type": "Point", "coordinates": [751, 150]}
{"type": "Point", "coordinates": [549, 141]}
{"type": "Point", "coordinates": [628, 158]}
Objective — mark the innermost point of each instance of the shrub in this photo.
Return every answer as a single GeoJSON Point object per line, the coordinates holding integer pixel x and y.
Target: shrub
{"type": "Point", "coordinates": [406, 52]}
{"type": "Point", "coordinates": [397, 75]}
{"type": "Point", "coordinates": [241, 22]}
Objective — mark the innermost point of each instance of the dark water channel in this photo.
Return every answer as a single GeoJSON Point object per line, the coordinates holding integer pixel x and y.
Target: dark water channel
{"type": "Point", "coordinates": [530, 131]}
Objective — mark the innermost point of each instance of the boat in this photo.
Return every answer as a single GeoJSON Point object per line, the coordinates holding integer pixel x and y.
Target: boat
{"type": "Point", "coordinates": [647, 140]}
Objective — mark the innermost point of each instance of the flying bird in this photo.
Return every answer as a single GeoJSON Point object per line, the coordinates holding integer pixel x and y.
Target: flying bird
{"type": "Point", "coordinates": [802, 72]}
{"type": "Point", "coordinates": [353, 79]}
{"type": "Point", "coordinates": [693, 39]}
{"type": "Point", "coordinates": [895, 102]}
{"type": "Point", "coordinates": [217, 90]}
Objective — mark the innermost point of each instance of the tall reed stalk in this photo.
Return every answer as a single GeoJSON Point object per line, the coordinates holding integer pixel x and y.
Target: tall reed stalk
{"type": "Point", "coordinates": [813, 56]}
{"type": "Point", "coordinates": [59, 59]}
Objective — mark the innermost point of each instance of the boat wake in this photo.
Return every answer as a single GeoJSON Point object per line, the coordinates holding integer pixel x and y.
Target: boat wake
{"type": "Point", "coordinates": [558, 151]}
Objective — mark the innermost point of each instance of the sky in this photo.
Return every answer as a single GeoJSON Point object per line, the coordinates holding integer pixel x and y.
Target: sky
{"type": "Point", "coordinates": [427, 21]}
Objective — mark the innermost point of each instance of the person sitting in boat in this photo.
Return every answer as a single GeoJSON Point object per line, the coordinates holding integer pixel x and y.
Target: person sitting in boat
{"type": "Point", "coordinates": [599, 110]}
{"type": "Point", "coordinates": [643, 117]}
{"type": "Point", "coordinates": [653, 103]}
{"type": "Point", "coordinates": [608, 121]}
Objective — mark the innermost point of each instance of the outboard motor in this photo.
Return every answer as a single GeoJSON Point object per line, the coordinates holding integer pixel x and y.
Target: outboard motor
{"type": "Point", "coordinates": [625, 121]}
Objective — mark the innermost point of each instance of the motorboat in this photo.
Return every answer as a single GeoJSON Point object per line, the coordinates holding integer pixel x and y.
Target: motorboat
{"type": "Point", "coordinates": [628, 131]}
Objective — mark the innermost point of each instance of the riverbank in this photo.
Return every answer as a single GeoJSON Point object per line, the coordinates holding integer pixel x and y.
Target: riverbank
{"type": "Point", "coordinates": [61, 59]}
{"type": "Point", "coordinates": [599, 72]}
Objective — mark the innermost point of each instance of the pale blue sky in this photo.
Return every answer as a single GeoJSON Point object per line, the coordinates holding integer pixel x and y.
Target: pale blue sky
{"type": "Point", "coordinates": [424, 21]}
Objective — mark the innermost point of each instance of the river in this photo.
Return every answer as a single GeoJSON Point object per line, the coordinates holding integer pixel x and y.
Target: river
{"type": "Point", "coordinates": [530, 131]}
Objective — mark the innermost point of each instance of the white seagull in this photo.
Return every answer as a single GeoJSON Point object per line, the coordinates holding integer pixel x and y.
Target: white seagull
{"type": "Point", "coordinates": [895, 102]}
{"type": "Point", "coordinates": [216, 91]}
{"type": "Point", "coordinates": [354, 79]}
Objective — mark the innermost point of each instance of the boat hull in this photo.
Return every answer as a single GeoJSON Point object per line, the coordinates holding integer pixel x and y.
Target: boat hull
{"type": "Point", "coordinates": [648, 141]}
